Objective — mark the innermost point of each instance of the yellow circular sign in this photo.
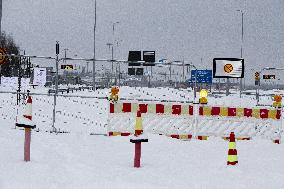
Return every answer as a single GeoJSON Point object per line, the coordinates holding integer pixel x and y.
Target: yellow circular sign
{"type": "Point", "coordinates": [228, 68]}
{"type": "Point", "coordinates": [2, 56]}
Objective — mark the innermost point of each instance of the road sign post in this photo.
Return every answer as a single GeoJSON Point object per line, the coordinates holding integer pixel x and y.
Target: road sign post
{"type": "Point", "coordinates": [228, 68]}
{"type": "Point", "coordinates": [200, 76]}
{"type": "Point", "coordinates": [257, 83]}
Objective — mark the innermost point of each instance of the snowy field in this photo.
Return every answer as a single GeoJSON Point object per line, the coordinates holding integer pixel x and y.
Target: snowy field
{"type": "Point", "coordinates": [77, 159]}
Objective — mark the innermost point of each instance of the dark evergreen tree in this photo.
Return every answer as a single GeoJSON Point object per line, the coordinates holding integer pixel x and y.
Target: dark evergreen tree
{"type": "Point", "coordinates": [10, 68]}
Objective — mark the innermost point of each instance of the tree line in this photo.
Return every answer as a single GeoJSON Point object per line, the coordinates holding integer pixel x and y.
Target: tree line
{"type": "Point", "coordinates": [12, 65]}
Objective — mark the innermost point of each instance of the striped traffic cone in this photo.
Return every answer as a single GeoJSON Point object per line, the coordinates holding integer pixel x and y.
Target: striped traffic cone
{"type": "Point", "coordinates": [138, 124]}
{"type": "Point", "coordinates": [232, 152]}
{"type": "Point", "coordinates": [28, 113]}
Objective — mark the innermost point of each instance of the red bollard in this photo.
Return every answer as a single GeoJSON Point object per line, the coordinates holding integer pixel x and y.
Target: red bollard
{"type": "Point", "coordinates": [27, 144]}
{"type": "Point", "coordinates": [138, 138]}
{"type": "Point", "coordinates": [137, 155]}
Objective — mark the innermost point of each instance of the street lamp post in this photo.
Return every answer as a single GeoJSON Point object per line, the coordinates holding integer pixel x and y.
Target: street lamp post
{"type": "Point", "coordinates": [242, 35]}
{"type": "Point", "coordinates": [113, 29]}
{"type": "Point", "coordinates": [94, 62]}
{"type": "Point", "coordinates": [111, 45]}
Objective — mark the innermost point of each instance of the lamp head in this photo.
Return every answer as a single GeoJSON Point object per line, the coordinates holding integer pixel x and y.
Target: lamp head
{"type": "Point", "coordinates": [203, 93]}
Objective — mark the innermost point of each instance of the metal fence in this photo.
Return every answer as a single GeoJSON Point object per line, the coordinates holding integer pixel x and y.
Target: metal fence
{"type": "Point", "coordinates": [74, 113]}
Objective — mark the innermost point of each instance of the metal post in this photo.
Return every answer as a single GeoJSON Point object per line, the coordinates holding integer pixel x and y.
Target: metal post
{"type": "Point", "coordinates": [64, 61]}
{"type": "Point", "coordinates": [115, 79]}
{"type": "Point", "coordinates": [87, 67]}
{"type": "Point", "coordinates": [219, 85]}
{"type": "Point", "coordinates": [242, 35]}
{"type": "Point", "coordinates": [256, 96]}
{"type": "Point", "coordinates": [19, 82]}
{"type": "Point", "coordinates": [183, 71]}
{"type": "Point", "coordinates": [258, 88]}
{"type": "Point", "coordinates": [56, 87]}
{"type": "Point", "coordinates": [241, 81]}
{"type": "Point", "coordinates": [94, 62]}
{"type": "Point", "coordinates": [119, 74]}
{"type": "Point", "coordinates": [170, 71]}
{"type": "Point", "coordinates": [112, 52]}
{"type": "Point", "coordinates": [111, 62]}
{"type": "Point", "coordinates": [227, 87]}
{"type": "Point", "coordinates": [195, 75]}
{"type": "Point", "coordinates": [65, 55]}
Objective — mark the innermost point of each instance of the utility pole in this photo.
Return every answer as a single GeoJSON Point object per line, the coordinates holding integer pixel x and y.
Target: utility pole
{"type": "Point", "coordinates": [94, 62]}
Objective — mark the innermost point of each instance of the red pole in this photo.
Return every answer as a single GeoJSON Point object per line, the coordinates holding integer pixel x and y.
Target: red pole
{"type": "Point", "coordinates": [27, 144]}
{"type": "Point", "coordinates": [137, 154]}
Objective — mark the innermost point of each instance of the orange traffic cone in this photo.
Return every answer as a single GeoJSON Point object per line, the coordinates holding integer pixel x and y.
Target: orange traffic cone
{"type": "Point", "coordinates": [232, 152]}
{"type": "Point", "coordinates": [138, 124]}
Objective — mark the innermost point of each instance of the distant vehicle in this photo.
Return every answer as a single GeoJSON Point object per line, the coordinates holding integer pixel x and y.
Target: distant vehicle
{"type": "Point", "coordinates": [133, 79]}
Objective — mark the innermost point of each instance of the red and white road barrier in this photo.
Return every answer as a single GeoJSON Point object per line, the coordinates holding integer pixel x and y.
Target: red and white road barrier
{"type": "Point", "coordinates": [199, 121]}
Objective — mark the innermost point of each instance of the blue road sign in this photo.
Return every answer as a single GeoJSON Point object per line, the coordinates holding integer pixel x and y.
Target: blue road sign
{"type": "Point", "coordinates": [203, 76]}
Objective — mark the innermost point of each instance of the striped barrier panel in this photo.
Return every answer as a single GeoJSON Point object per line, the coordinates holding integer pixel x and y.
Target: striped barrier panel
{"type": "Point", "coordinates": [166, 119]}
{"type": "Point", "coordinates": [200, 121]}
{"type": "Point", "coordinates": [244, 122]}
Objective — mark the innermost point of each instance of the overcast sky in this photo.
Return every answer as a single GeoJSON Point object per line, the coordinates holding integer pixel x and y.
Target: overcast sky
{"type": "Point", "coordinates": [176, 29]}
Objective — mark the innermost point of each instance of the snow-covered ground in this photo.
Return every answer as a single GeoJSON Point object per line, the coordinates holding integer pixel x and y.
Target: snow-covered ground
{"type": "Point", "coordinates": [79, 160]}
